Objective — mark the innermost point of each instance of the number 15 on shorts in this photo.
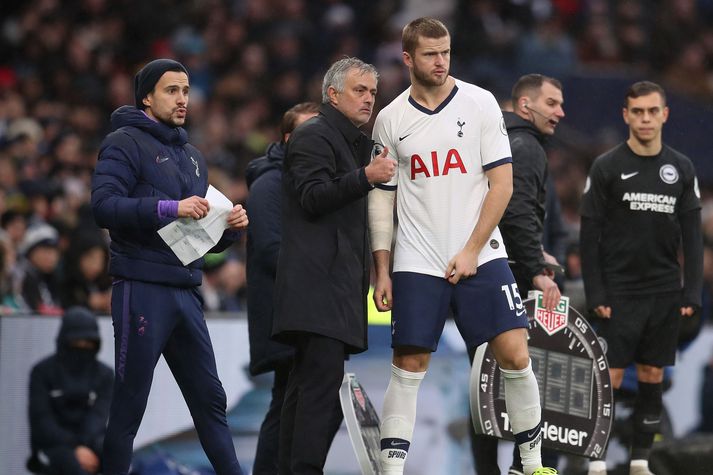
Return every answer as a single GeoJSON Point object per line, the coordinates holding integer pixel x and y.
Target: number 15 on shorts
{"type": "Point", "coordinates": [513, 295]}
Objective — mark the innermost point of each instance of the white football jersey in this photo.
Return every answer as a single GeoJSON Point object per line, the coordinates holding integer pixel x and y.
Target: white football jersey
{"type": "Point", "coordinates": [440, 182]}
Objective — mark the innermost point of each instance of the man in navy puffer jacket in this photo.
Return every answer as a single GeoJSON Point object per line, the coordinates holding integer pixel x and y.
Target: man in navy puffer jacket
{"type": "Point", "coordinates": [148, 175]}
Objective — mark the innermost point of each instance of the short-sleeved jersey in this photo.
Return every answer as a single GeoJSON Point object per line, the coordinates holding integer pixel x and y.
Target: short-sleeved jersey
{"type": "Point", "coordinates": [442, 157]}
{"type": "Point", "coordinates": [638, 201]}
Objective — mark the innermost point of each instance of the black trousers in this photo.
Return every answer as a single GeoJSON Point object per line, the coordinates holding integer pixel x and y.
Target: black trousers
{"type": "Point", "coordinates": [311, 413]}
{"type": "Point", "coordinates": [269, 438]}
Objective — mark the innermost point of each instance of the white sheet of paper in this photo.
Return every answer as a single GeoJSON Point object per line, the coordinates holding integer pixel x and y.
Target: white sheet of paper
{"type": "Point", "coordinates": [189, 238]}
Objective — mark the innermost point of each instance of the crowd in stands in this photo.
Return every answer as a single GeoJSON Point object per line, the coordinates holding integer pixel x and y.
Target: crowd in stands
{"type": "Point", "coordinates": [66, 65]}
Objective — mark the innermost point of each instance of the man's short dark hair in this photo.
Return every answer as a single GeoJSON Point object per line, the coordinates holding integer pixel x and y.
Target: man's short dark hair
{"type": "Point", "coordinates": [289, 119]}
{"type": "Point", "coordinates": [425, 27]}
{"type": "Point", "coordinates": [530, 85]}
{"type": "Point", "coordinates": [643, 88]}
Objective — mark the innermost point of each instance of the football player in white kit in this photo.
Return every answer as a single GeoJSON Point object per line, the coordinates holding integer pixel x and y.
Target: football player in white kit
{"type": "Point", "coordinates": [454, 181]}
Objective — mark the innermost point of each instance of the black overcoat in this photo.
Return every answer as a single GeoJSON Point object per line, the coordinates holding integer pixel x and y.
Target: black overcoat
{"type": "Point", "coordinates": [323, 266]}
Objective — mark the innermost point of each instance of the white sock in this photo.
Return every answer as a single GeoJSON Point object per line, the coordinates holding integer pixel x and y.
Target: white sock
{"type": "Point", "coordinates": [597, 465]}
{"type": "Point", "coordinates": [522, 401]}
{"type": "Point", "coordinates": [639, 463]}
{"type": "Point", "coordinates": [398, 418]}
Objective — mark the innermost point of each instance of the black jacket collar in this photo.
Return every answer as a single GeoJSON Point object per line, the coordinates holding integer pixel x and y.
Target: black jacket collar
{"type": "Point", "coordinates": [340, 121]}
{"type": "Point", "coordinates": [514, 123]}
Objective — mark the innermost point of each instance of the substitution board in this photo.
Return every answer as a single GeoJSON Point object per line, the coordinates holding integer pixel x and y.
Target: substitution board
{"type": "Point", "coordinates": [362, 423]}
{"type": "Point", "coordinates": [572, 374]}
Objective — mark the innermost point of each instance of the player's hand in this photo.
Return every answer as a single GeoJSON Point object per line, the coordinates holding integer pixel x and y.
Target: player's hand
{"type": "Point", "coordinates": [602, 311]}
{"type": "Point", "coordinates": [383, 298]}
{"type": "Point", "coordinates": [688, 311]}
{"type": "Point", "coordinates": [381, 169]}
{"type": "Point", "coordinates": [238, 217]}
{"type": "Point", "coordinates": [462, 266]}
{"type": "Point", "coordinates": [194, 207]}
{"type": "Point", "coordinates": [550, 292]}
{"type": "Point", "coordinates": [87, 459]}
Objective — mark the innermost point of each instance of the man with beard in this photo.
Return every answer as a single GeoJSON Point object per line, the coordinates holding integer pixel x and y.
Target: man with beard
{"type": "Point", "coordinates": [454, 181]}
{"type": "Point", "coordinates": [148, 175]}
{"type": "Point", "coordinates": [70, 393]}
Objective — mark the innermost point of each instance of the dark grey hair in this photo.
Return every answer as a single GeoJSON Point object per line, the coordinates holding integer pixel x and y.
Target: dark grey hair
{"type": "Point", "coordinates": [338, 71]}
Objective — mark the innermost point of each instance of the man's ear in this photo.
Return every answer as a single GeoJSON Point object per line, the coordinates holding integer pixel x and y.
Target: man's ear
{"type": "Point", "coordinates": [408, 61]}
{"type": "Point", "coordinates": [332, 93]}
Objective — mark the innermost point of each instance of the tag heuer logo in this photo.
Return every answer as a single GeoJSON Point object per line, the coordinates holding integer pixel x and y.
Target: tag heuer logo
{"type": "Point", "coordinates": [359, 396]}
{"type": "Point", "coordinates": [555, 320]}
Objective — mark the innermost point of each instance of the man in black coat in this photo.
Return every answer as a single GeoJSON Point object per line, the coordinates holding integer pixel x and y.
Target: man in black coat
{"type": "Point", "coordinates": [70, 393]}
{"type": "Point", "coordinates": [264, 179]}
{"type": "Point", "coordinates": [537, 109]}
{"type": "Point", "coordinates": [323, 271]}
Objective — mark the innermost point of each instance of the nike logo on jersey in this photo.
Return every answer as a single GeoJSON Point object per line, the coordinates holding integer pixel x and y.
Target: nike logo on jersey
{"type": "Point", "coordinates": [396, 444]}
{"type": "Point", "coordinates": [531, 435]}
{"type": "Point", "coordinates": [520, 313]}
{"type": "Point", "coordinates": [403, 138]}
{"type": "Point", "coordinates": [651, 422]}
{"type": "Point", "coordinates": [626, 176]}
{"type": "Point", "coordinates": [160, 159]}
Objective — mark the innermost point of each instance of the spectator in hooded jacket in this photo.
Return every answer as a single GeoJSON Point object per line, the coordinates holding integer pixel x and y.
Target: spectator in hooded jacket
{"type": "Point", "coordinates": [36, 283]}
{"type": "Point", "coordinates": [264, 178]}
{"type": "Point", "coordinates": [70, 393]}
{"type": "Point", "coordinates": [148, 175]}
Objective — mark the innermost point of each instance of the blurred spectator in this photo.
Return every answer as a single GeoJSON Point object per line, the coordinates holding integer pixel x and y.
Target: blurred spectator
{"type": "Point", "coordinates": [13, 226]}
{"type": "Point", "coordinates": [69, 401]}
{"type": "Point", "coordinates": [35, 281]}
{"type": "Point", "coordinates": [547, 49]}
{"type": "Point", "coordinates": [598, 44]}
{"type": "Point", "coordinates": [7, 262]}
{"type": "Point", "coordinates": [223, 277]}
{"type": "Point", "coordinates": [688, 71]}
{"type": "Point", "coordinates": [85, 276]}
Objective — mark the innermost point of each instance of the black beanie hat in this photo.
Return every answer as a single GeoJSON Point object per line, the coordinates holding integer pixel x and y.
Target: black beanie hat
{"type": "Point", "coordinates": [148, 76]}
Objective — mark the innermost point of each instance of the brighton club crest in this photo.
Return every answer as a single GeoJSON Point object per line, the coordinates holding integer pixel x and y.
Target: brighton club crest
{"type": "Point", "coordinates": [550, 321]}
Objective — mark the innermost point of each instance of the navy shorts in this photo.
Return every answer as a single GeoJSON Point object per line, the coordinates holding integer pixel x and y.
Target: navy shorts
{"type": "Point", "coordinates": [483, 306]}
{"type": "Point", "coordinates": [642, 329]}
